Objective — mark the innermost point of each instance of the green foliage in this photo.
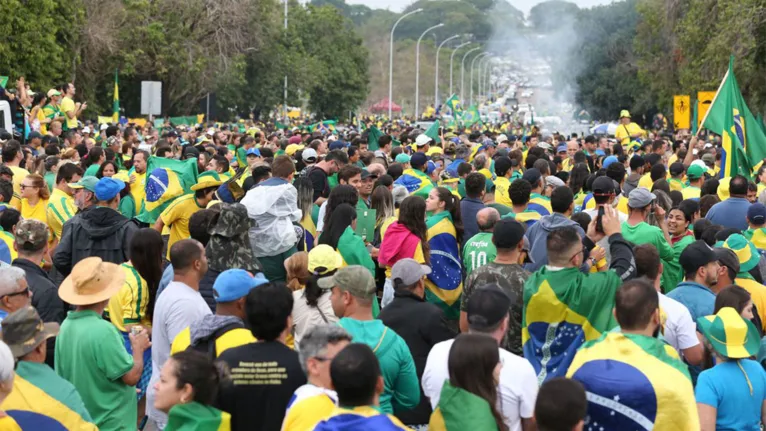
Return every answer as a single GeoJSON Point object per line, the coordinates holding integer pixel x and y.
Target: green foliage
{"type": "Point", "coordinates": [34, 37]}
{"type": "Point", "coordinates": [548, 16]}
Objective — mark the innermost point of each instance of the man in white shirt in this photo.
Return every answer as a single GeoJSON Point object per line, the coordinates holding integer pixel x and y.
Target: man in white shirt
{"type": "Point", "coordinates": [680, 331]}
{"type": "Point", "coordinates": [487, 312]}
{"type": "Point", "coordinates": [179, 306]}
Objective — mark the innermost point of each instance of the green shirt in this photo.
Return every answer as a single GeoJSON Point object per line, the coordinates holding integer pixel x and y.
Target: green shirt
{"type": "Point", "coordinates": [91, 355]}
{"type": "Point", "coordinates": [644, 233]}
{"type": "Point", "coordinates": [50, 179]}
{"type": "Point", "coordinates": [92, 170]}
{"type": "Point", "coordinates": [127, 207]}
{"type": "Point", "coordinates": [478, 251]}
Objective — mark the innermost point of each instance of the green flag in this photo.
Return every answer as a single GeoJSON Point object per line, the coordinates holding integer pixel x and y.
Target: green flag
{"type": "Point", "coordinates": [433, 131]}
{"type": "Point", "coordinates": [695, 120]}
{"type": "Point", "coordinates": [744, 142]}
{"type": "Point", "coordinates": [280, 125]}
{"type": "Point", "coordinates": [3, 81]}
{"type": "Point", "coordinates": [471, 116]}
{"type": "Point", "coordinates": [373, 134]}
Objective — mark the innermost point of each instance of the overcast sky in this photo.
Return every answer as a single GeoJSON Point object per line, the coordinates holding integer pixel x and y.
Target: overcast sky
{"type": "Point", "coordinates": [523, 5]}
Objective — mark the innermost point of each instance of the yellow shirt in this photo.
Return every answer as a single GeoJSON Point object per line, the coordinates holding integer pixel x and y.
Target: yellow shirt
{"type": "Point", "coordinates": [502, 184]}
{"type": "Point", "coordinates": [676, 184]}
{"type": "Point", "coordinates": [67, 105]}
{"type": "Point", "coordinates": [567, 164]}
{"type": "Point", "coordinates": [757, 293]}
{"type": "Point", "coordinates": [624, 132]}
{"type": "Point", "coordinates": [41, 117]}
{"type": "Point", "coordinates": [672, 159]}
{"type": "Point", "coordinates": [233, 338]}
{"type": "Point", "coordinates": [37, 211]}
{"type": "Point", "coordinates": [177, 216]}
{"type": "Point", "coordinates": [138, 189]}
{"type": "Point", "coordinates": [8, 424]}
{"type": "Point", "coordinates": [622, 205]}
{"type": "Point", "coordinates": [691, 192]}
{"type": "Point", "coordinates": [310, 404]}
{"type": "Point", "coordinates": [128, 306]}
{"type": "Point", "coordinates": [18, 176]}
{"type": "Point", "coordinates": [646, 181]}
{"type": "Point", "coordinates": [61, 208]}
{"type": "Point", "coordinates": [761, 188]}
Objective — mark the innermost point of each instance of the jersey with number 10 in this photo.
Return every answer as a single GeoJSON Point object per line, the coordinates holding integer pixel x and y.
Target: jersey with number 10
{"type": "Point", "coordinates": [478, 252]}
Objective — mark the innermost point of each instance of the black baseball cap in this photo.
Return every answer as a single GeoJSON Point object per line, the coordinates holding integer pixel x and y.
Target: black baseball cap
{"type": "Point", "coordinates": [696, 255]}
{"type": "Point", "coordinates": [677, 168]}
{"type": "Point", "coordinates": [533, 176]}
{"type": "Point", "coordinates": [507, 234]}
{"type": "Point", "coordinates": [487, 306]}
{"type": "Point", "coordinates": [603, 186]}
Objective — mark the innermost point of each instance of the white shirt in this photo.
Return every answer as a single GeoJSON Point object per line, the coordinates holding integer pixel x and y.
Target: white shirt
{"type": "Point", "coordinates": [178, 307]}
{"type": "Point", "coordinates": [680, 330]}
{"type": "Point", "coordinates": [517, 391]}
{"type": "Point", "coordinates": [306, 317]}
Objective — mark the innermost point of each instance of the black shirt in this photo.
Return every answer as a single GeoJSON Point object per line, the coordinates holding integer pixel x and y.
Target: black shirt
{"type": "Point", "coordinates": [318, 179]}
{"type": "Point", "coordinates": [264, 376]}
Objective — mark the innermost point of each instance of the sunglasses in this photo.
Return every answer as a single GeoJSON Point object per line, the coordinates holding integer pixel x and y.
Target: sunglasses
{"type": "Point", "coordinates": [24, 292]}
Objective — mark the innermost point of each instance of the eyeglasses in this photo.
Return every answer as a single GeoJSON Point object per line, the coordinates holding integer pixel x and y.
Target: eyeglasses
{"type": "Point", "coordinates": [24, 292]}
{"type": "Point", "coordinates": [582, 250]}
{"type": "Point", "coordinates": [27, 186]}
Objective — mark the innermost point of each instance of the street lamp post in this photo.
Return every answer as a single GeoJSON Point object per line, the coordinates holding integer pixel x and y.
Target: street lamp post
{"type": "Point", "coordinates": [484, 64]}
{"type": "Point", "coordinates": [391, 60]}
{"type": "Point", "coordinates": [436, 77]}
{"type": "Point", "coordinates": [284, 101]}
{"type": "Point", "coordinates": [462, 72]}
{"type": "Point", "coordinates": [417, 68]}
{"type": "Point", "coordinates": [452, 57]}
{"type": "Point", "coordinates": [470, 70]}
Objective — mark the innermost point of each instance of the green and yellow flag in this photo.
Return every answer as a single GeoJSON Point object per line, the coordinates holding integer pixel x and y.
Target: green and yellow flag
{"type": "Point", "coordinates": [459, 409]}
{"type": "Point", "coordinates": [470, 116]}
{"type": "Point", "coordinates": [116, 101]}
{"type": "Point", "coordinates": [373, 134]}
{"type": "Point", "coordinates": [744, 142]}
{"type": "Point", "coordinates": [197, 417]}
{"type": "Point", "coordinates": [433, 131]}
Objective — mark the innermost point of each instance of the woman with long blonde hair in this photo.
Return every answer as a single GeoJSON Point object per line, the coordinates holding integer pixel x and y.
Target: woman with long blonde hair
{"type": "Point", "coordinates": [297, 267]}
{"type": "Point", "coordinates": [34, 198]}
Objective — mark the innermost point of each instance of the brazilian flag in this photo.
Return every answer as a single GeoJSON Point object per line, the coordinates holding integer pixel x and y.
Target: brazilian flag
{"type": "Point", "coordinates": [635, 382]}
{"type": "Point", "coordinates": [562, 310]}
{"type": "Point", "coordinates": [459, 409]}
{"type": "Point", "coordinates": [373, 134]}
{"type": "Point", "coordinates": [197, 417]}
{"type": "Point", "coordinates": [444, 285]}
{"type": "Point", "coordinates": [166, 180]}
{"type": "Point", "coordinates": [416, 182]}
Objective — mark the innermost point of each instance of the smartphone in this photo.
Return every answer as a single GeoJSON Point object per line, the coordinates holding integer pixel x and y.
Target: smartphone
{"type": "Point", "coordinates": [599, 218]}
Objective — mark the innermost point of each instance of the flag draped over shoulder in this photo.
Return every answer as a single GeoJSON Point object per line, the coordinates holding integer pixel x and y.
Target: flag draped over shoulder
{"type": "Point", "coordinates": [459, 409]}
{"type": "Point", "coordinates": [445, 282]}
{"type": "Point", "coordinates": [360, 418]}
{"type": "Point", "coordinates": [635, 382]}
{"type": "Point", "coordinates": [195, 416]}
{"type": "Point", "coordinates": [744, 141]}
{"type": "Point", "coordinates": [416, 182]}
{"type": "Point", "coordinates": [562, 310]}
{"type": "Point", "coordinates": [353, 251]}
{"type": "Point", "coordinates": [166, 180]}
{"type": "Point", "coordinates": [373, 134]}
{"type": "Point", "coordinates": [34, 409]}
{"type": "Point", "coordinates": [309, 232]}
{"type": "Point", "coordinates": [116, 100]}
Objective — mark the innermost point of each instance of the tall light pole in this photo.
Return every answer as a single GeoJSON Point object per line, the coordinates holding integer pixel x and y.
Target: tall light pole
{"type": "Point", "coordinates": [483, 54]}
{"type": "Point", "coordinates": [284, 102]}
{"type": "Point", "coordinates": [391, 60]}
{"type": "Point", "coordinates": [483, 67]}
{"type": "Point", "coordinates": [452, 57]}
{"type": "Point", "coordinates": [436, 74]}
{"type": "Point", "coordinates": [417, 68]}
{"type": "Point", "coordinates": [488, 78]}
{"type": "Point", "coordinates": [462, 73]}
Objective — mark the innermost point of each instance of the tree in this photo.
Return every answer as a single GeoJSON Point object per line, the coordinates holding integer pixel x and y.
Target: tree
{"type": "Point", "coordinates": [341, 74]}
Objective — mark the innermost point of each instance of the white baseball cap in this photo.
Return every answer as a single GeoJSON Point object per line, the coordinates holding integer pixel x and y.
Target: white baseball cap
{"type": "Point", "coordinates": [422, 140]}
{"type": "Point", "coordinates": [309, 153]}
{"type": "Point", "coordinates": [86, 129]}
{"type": "Point", "coordinates": [104, 127]}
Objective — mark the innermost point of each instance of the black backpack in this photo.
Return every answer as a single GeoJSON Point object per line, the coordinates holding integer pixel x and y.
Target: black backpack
{"type": "Point", "coordinates": [207, 345]}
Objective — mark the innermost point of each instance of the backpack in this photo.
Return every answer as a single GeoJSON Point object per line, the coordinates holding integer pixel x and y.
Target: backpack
{"type": "Point", "coordinates": [207, 345]}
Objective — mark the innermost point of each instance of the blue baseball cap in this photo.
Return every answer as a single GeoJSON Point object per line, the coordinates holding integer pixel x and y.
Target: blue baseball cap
{"type": "Point", "coordinates": [337, 145]}
{"type": "Point", "coordinates": [431, 166]}
{"type": "Point", "coordinates": [608, 161]}
{"type": "Point", "coordinates": [418, 160]}
{"type": "Point", "coordinates": [757, 213]}
{"type": "Point", "coordinates": [561, 148]}
{"type": "Point", "coordinates": [107, 188]}
{"type": "Point", "coordinates": [253, 152]}
{"type": "Point", "coordinates": [233, 284]}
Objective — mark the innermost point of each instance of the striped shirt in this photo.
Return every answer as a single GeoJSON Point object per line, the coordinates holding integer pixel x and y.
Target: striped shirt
{"type": "Point", "coordinates": [61, 208]}
{"type": "Point", "coordinates": [128, 306]}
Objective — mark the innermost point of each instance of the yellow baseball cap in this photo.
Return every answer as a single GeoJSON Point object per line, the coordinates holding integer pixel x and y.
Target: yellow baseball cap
{"type": "Point", "coordinates": [324, 259]}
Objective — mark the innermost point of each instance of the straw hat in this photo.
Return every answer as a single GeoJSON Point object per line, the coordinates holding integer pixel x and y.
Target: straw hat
{"type": "Point", "coordinates": [207, 179]}
{"type": "Point", "coordinates": [92, 281]}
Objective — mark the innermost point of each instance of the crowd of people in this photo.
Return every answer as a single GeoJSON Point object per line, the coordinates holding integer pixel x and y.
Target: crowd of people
{"type": "Point", "coordinates": [338, 280]}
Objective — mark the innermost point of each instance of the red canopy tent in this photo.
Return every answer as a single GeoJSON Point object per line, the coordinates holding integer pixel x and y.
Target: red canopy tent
{"type": "Point", "coordinates": [382, 106]}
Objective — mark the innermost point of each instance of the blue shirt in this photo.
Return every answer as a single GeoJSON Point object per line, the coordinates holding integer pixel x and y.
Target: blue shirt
{"type": "Point", "coordinates": [468, 209]}
{"type": "Point", "coordinates": [731, 213]}
{"type": "Point", "coordinates": [725, 388]}
{"type": "Point", "coordinates": [697, 298]}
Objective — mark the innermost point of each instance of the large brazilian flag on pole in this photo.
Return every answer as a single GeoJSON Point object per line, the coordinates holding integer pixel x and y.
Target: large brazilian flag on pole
{"type": "Point", "coordinates": [744, 141]}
